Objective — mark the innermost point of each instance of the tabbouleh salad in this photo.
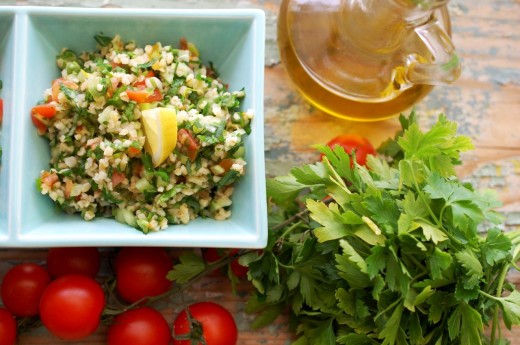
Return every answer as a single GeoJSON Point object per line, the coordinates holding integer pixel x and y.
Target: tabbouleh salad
{"type": "Point", "coordinates": [99, 165]}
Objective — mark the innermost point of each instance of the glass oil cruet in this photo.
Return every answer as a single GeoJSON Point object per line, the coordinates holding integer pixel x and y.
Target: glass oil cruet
{"type": "Point", "coordinates": [366, 60]}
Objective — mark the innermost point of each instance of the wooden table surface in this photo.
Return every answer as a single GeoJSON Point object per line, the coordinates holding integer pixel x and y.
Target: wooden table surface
{"type": "Point", "coordinates": [485, 102]}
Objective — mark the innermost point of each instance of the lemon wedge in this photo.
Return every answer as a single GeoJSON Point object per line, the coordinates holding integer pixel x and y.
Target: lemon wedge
{"type": "Point", "coordinates": [160, 131]}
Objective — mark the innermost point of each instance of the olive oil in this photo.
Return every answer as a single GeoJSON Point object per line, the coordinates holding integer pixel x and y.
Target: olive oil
{"type": "Point", "coordinates": [322, 66]}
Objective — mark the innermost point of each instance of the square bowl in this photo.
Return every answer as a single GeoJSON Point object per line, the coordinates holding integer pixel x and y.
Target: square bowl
{"type": "Point", "coordinates": [233, 40]}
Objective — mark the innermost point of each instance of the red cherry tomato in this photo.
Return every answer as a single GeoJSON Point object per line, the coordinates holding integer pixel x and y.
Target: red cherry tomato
{"type": "Point", "coordinates": [141, 326]}
{"type": "Point", "coordinates": [7, 327]}
{"type": "Point", "coordinates": [218, 326]}
{"type": "Point", "coordinates": [141, 272]}
{"type": "Point", "coordinates": [354, 143]}
{"type": "Point", "coordinates": [212, 255]}
{"type": "Point", "coordinates": [238, 270]}
{"type": "Point", "coordinates": [64, 261]}
{"type": "Point", "coordinates": [22, 287]}
{"type": "Point", "coordinates": [71, 306]}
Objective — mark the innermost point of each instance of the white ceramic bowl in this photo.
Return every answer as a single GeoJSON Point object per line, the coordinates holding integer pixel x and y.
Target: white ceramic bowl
{"type": "Point", "coordinates": [30, 39]}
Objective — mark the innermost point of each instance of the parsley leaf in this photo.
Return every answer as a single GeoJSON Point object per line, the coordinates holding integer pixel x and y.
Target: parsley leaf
{"type": "Point", "coordinates": [189, 267]}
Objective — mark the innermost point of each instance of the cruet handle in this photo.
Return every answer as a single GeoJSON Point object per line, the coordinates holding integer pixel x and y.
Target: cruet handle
{"type": "Point", "coordinates": [445, 68]}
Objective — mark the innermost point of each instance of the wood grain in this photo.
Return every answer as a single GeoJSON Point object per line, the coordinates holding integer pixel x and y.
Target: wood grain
{"type": "Point", "coordinates": [485, 102]}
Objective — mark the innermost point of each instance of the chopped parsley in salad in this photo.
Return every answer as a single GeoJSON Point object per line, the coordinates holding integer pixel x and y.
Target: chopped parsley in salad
{"type": "Point", "coordinates": [148, 135]}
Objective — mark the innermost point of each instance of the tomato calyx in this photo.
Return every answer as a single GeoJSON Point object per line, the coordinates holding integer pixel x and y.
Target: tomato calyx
{"type": "Point", "coordinates": [196, 332]}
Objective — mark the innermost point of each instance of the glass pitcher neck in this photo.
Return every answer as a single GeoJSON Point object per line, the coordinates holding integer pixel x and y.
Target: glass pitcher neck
{"type": "Point", "coordinates": [416, 12]}
{"type": "Point", "coordinates": [406, 10]}
{"type": "Point", "coordinates": [425, 5]}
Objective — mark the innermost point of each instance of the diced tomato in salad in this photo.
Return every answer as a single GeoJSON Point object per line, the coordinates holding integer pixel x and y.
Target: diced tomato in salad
{"type": "Point", "coordinates": [56, 84]}
{"type": "Point", "coordinates": [188, 144]}
{"type": "Point", "coordinates": [40, 115]}
{"type": "Point", "coordinates": [141, 94]}
{"type": "Point", "coordinates": [144, 96]}
{"type": "Point", "coordinates": [117, 178]}
{"type": "Point", "coordinates": [49, 179]}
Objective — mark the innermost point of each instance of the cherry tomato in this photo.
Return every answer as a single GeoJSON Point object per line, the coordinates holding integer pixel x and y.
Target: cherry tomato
{"type": "Point", "coordinates": [354, 143]}
{"type": "Point", "coordinates": [218, 326]}
{"type": "Point", "coordinates": [7, 327]}
{"type": "Point", "coordinates": [141, 272]}
{"type": "Point", "coordinates": [212, 255]}
{"type": "Point", "coordinates": [22, 287]}
{"type": "Point", "coordinates": [64, 261]}
{"type": "Point", "coordinates": [71, 306]}
{"type": "Point", "coordinates": [238, 270]}
{"type": "Point", "coordinates": [141, 326]}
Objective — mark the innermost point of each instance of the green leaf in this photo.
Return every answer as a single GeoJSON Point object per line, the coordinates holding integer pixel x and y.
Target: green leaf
{"type": "Point", "coordinates": [346, 301]}
{"type": "Point", "coordinates": [230, 177]}
{"type": "Point", "coordinates": [397, 277]}
{"type": "Point", "coordinates": [350, 271]}
{"type": "Point", "coordinates": [414, 206]}
{"type": "Point", "coordinates": [330, 218]}
{"type": "Point", "coordinates": [472, 267]}
{"type": "Point", "coordinates": [511, 308]}
{"type": "Point", "coordinates": [103, 40]}
{"type": "Point", "coordinates": [310, 174]}
{"type": "Point", "coordinates": [284, 188]}
{"type": "Point", "coordinates": [376, 262]}
{"type": "Point", "coordinates": [293, 280]}
{"type": "Point", "coordinates": [432, 233]}
{"type": "Point", "coordinates": [440, 140]}
{"type": "Point", "coordinates": [465, 324]}
{"type": "Point", "coordinates": [369, 236]}
{"type": "Point", "coordinates": [497, 247]}
{"type": "Point", "coordinates": [415, 330]}
{"type": "Point", "coordinates": [440, 303]}
{"type": "Point", "coordinates": [392, 325]}
{"type": "Point", "coordinates": [356, 339]}
{"type": "Point", "coordinates": [190, 266]}
{"type": "Point", "coordinates": [423, 295]}
{"type": "Point", "coordinates": [267, 316]}
{"type": "Point", "coordinates": [353, 256]}
{"type": "Point", "coordinates": [439, 262]}
{"type": "Point", "coordinates": [384, 209]}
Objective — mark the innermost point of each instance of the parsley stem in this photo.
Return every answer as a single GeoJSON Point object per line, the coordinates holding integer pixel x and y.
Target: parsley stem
{"type": "Point", "coordinates": [498, 295]}
{"type": "Point", "coordinates": [290, 220]}
{"type": "Point", "coordinates": [391, 306]}
{"type": "Point", "coordinates": [290, 229]}
{"type": "Point", "coordinates": [423, 198]}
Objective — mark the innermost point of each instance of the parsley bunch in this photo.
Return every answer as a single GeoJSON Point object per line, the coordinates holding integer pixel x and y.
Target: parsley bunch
{"type": "Point", "coordinates": [386, 255]}
{"type": "Point", "coordinates": [389, 254]}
